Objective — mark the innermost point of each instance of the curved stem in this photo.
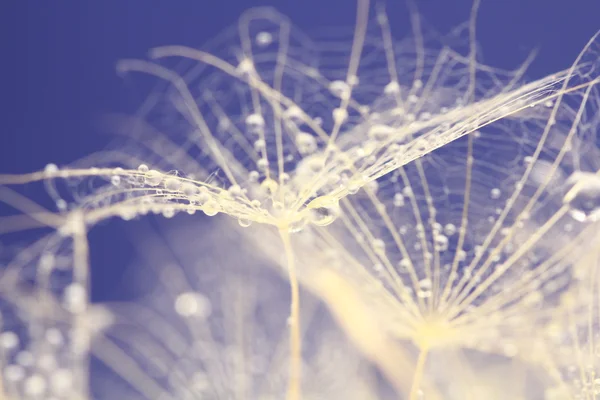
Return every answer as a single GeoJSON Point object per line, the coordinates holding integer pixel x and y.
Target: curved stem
{"type": "Point", "coordinates": [293, 392]}
{"type": "Point", "coordinates": [418, 376]}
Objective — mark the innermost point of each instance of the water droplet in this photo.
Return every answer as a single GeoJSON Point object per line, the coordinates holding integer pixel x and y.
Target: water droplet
{"type": "Point", "coordinates": [235, 190]}
{"type": "Point", "coordinates": [583, 196]}
{"type": "Point", "coordinates": [425, 283]}
{"type": "Point", "coordinates": [168, 212]}
{"type": "Point", "coordinates": [269, 186]}
{"type": "Point", "coordinates": [391, 88]}
{"type": "Point", "coordinates": [193, 304]}
{"type": "Point", "coordinates": [495, 193]}
{"type": "Point", "coordinates": [339, 116]}
{"type": "Point", "coordinates": [340, 89]}
{"type": "Point", "coordinates": [259, 145]}
{"type": "Point", "coordinates": [262, 164]}
{"type": "Point", "coordinates": [203, 196]}
{"type": "Point", "coordinates": [172, 184]}
{"type": "Point", "coordinates": [61, 204]}
{"type": "Point", "coordinates": [264, 39]}
{"type": "Point", "coordinates": [153, 178]}
{"type": "Point", "coordinates": [324, 210]}
{"type": "Point", "coordinates": [398, 200]}
{"type": "Point", "coordinates": [75, 298]}
{"type": "Point", "coordinates": [449, 229]}
{"type": "Point", "coordinates": [354, 185]}
{"type": "Point", "coordinates": [189, 189]}
{"type": "Point", "coordinates": [294, 114]}
{"type": "Point", "coordinates": [244, 223]}
{"type": "Point", "coordinates": [191, 210]}
{"type": "Point", "coordinates": [211, 208]}
{"type": "Point", "coordinates": [50, 169]}
{"type": "Point", "coordinates": [253, 176]}
{"type": "Point", "coordinates": [143, 168]}
{"type": "Point", "coordinates": [404, 265]}
{"type": "Point", "coordinates": [245, 67]}
{"type": "Point", "coordinates": [441, 242]}
{"type": "Point", "coordinates": [424, 288]}
{"type": "Point", "coordinates": [255, 123]}
{"type": "Point", "coordinates": [297, 225]}
{"type": "Point", "coordinates": [306, 143]}
{"type": "Point", "coordinates": [378, 246]}
{"type": "Point", "coordinates": [127, 214]}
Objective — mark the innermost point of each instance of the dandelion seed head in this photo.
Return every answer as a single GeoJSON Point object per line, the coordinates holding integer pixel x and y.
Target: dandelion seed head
{"type": "Point", "coordinates": [433, 200]}
{"type": "Point", "coordinates": [273, 105]}
{"type": "Point", "coordinates": [489, 227]}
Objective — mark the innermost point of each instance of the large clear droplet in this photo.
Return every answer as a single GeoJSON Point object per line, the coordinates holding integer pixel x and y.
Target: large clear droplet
{"type": "Point", "coordinates": [211, 208]}
{"type": "Point", "coordinates": [583, 197]}
{"type": "Point", "coordinates": [324, 210]}
{"type": "Point", "coordinates": [153, 178]}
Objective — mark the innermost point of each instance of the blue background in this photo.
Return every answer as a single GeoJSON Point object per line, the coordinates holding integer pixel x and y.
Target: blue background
{"type": "Point", "coordinates": [58, 60]}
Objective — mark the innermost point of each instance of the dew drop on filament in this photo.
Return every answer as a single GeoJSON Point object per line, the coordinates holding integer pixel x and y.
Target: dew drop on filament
{"type": "Point", "coordinates": [583, 196]}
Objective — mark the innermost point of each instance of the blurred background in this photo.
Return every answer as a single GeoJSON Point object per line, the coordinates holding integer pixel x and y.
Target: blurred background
{"type": "Point", "coordinates": [58, 76]}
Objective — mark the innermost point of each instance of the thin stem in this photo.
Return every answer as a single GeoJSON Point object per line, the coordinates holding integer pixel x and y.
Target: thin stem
{"type": "Point", "coordinates": [81, 269]}
{"type": "Point", "coordinates": [293, 392]}
{"type": "Point", "coordinates": [418, 376]}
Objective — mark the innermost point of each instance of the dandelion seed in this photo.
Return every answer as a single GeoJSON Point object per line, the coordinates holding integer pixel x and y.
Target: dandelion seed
{"type": "Point", "coordinates": [270, 139]}
{"type": "Point", "coordinates": [482, 286]}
